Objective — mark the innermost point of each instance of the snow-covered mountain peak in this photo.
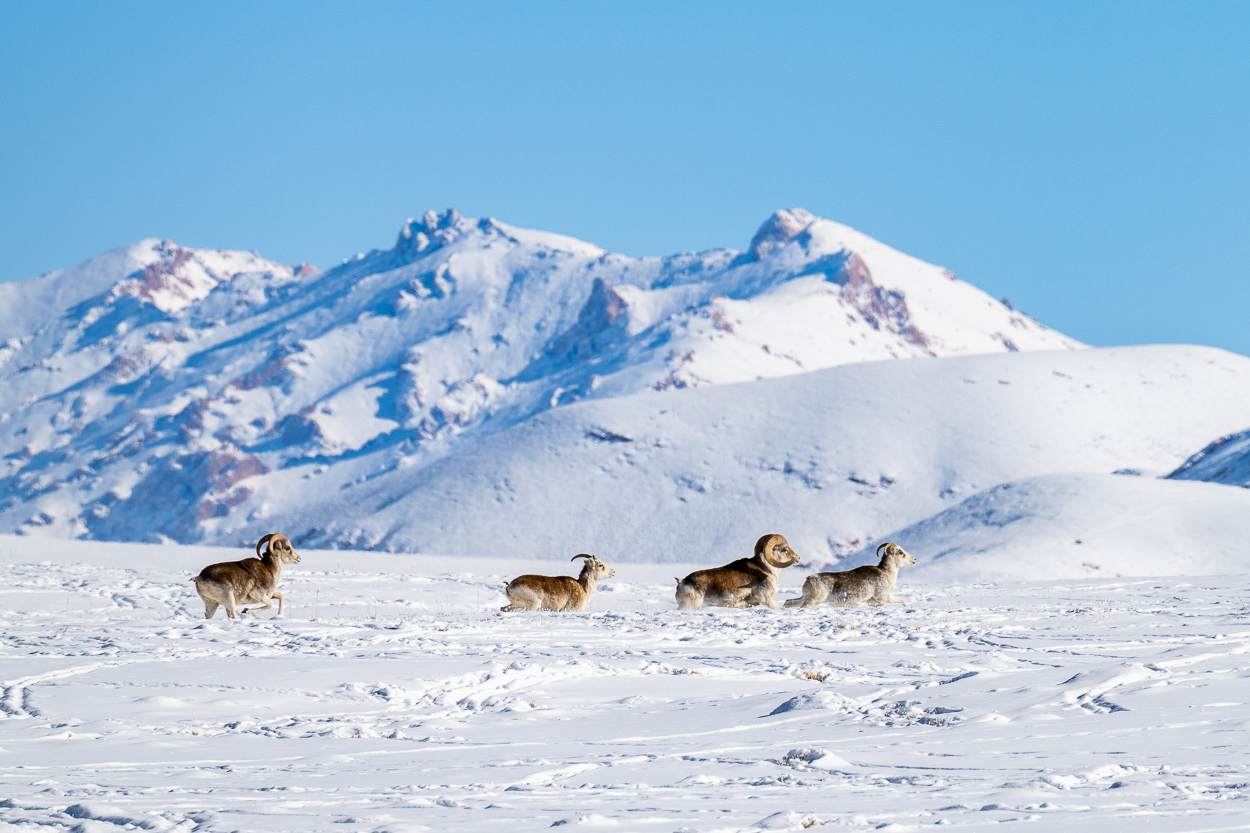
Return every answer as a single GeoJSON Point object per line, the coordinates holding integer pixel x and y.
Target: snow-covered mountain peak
{"type": "Point", "coordinates": [779, 229]}
{"type": "Point", "coordinates": [158, 369]}
{"type": "Point", "coordinates": [174, 277]}
{"type": "Point", "coordinates": [433, 230]}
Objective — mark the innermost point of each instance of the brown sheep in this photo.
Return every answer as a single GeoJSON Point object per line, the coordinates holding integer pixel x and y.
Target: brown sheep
{"type": "Point", "coordinates": [743, 583]}
{"type": "Point", "coordinates": [250, 581]}
{"type": "Point", "coordinates": [557, 592]}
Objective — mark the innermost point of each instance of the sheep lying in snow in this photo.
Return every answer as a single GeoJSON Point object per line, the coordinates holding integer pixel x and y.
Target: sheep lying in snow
{"type": "Point", "coordinates": [557, 592]}
{"type": "Point", "coordinates": [250, 581]}
{"type": "Point", "coordinates": [863, 585]}
{"type": "Point", "coordinates": [743, 583]}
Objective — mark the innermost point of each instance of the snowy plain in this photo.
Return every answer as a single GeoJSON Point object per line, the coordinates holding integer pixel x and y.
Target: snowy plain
{"type": "Point", "coordinates": [394, 696]}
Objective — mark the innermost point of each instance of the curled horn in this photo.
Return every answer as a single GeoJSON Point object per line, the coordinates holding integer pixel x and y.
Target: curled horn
{"type": "Point", "coordinates": [583, 555]}
{"type": "Point", "coordinates": [883, 546]}
{"type": "Point", "coordinates": [273, 538]}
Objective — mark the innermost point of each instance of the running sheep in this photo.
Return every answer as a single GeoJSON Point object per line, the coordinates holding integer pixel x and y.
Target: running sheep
{"type": "Point", "coordinates": [863, 585]}
{"type": "Point", "coordinates": [557, 593]}
{"type": "Point", "coordinates": [250, 581]}
{"type": "Point", "coordinates": [743, 583]}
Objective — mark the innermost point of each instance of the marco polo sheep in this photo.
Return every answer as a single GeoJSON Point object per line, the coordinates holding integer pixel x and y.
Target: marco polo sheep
{"type": "Point", "coordinates": [743, 583]}
{"type": "Point", "coordinates": [863, 585]}
{"type": "Point", "coordinates": [557, 592]}
{"type": "Point", "coordinates": [250, 581]}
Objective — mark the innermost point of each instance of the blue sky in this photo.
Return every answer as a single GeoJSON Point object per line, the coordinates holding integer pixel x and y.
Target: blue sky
{"type": "Point", "coordinates": [1089, 161]}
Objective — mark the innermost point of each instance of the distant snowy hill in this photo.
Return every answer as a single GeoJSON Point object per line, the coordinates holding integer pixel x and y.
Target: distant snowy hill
{"type": "Point", "coordinates": [834, 459]}
{"type": "Point", "coordinates": [1082, 525]}
{"type": "Point", "coordinates": [164, 392]}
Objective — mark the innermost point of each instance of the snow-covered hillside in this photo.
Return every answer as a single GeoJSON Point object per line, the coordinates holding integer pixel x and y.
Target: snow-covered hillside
{"type": "Point", "coordinates": [1082, 525]}
{"type": "Point", "coordinates": [1226, 461]}
{"type": "Point", "coordinates": [833, 459]}
{"type": "Point", "coordinates": [163, 392]}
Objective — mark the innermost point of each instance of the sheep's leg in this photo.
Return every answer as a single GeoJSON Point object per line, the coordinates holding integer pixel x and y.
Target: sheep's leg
{"type": "Point", "coordinates": [210, 608]}
{"type": "Point", "coordinates": [898, 599]}
{"type": "Point", "coordinates": [281, 601]}
{"type": "Point", "coordinates": [520, 600]}
{"type": "Point", "coordinates": [266, 606]}
{"type": "Point", "coordinates": [814, 593]}
{"type": "Point", "coordinates": [229, 602]}
{"type": "Point", "coordinates": [687, 599]}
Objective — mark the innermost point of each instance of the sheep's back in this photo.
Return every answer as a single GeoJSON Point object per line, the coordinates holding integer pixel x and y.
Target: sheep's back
{"type": "Point", "coordinates": [859, 584]}
{"type": "Point", "coordinates": [560, 592]}
{"type": "Point", "coordinates": [245, 575]}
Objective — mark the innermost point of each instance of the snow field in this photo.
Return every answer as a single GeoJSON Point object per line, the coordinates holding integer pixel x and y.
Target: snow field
{"type": "Point", "coordinates": [395, 697]}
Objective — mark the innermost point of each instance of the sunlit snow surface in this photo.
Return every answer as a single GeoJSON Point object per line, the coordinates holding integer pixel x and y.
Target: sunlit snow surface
{"type": "Point", "coordinates": [395, 697]}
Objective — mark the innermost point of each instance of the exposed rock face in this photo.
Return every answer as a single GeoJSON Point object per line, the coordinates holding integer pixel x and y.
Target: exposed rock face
{"type": "Point", "coordinates": [779, 229]}
{"type": "Point", "coordinates": [601, 321]}
{"type": "Point", "coordinates": [177, 494]}
{"type": "Point", "coordinates": [881, 308]}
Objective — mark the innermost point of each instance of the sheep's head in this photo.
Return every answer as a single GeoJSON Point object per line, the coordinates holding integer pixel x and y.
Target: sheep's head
{"type": "Point", "coordinates": [279, 547]}
{"type": "Point", "coordinates": [893, 551]}
{"type": "Point", "coordinates": [775, 550]}
{"type": "Point", "coordinates": [596, 568]}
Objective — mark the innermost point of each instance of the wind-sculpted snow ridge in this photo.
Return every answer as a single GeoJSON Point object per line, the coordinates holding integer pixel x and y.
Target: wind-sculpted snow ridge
{"type": "Point", "coordinates": [396, 697]}
{"type": "Point", "coordinates": [1226, 461]}
{"type": "Point", "coordinates": [165, 392]}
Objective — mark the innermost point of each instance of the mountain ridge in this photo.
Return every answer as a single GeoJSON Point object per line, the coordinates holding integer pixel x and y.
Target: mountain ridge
{"type": "Point", "coordinates": [157, 390]}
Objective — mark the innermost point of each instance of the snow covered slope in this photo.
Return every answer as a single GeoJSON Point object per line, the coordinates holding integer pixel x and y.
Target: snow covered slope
{"type": "Point", "coordinates": [1064, 526]}
{"type": "Point", "coordinates": [1226, 460]}
{"type": "Point", "coordinates": [833, 459]}
{"type": "Point", "coordinates": [158, 391]}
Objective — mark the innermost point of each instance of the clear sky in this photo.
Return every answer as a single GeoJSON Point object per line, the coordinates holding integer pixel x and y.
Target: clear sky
{"type": "Point", "coordinates": [1089, 161]}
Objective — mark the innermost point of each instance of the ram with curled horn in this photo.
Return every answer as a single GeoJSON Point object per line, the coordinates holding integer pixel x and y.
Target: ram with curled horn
{"type": "Point", "coordinates": [746, 582]}
{"type": "Point", "coordinates": [557, 593]}
{"type": "Point", "coordinates": [250, 581]}
{"type": "Point", "coordinates": [863, 585]}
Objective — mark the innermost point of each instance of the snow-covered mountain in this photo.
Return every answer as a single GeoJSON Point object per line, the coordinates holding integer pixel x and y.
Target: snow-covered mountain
{"type": "Point", "coordinates": [158, 391]}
